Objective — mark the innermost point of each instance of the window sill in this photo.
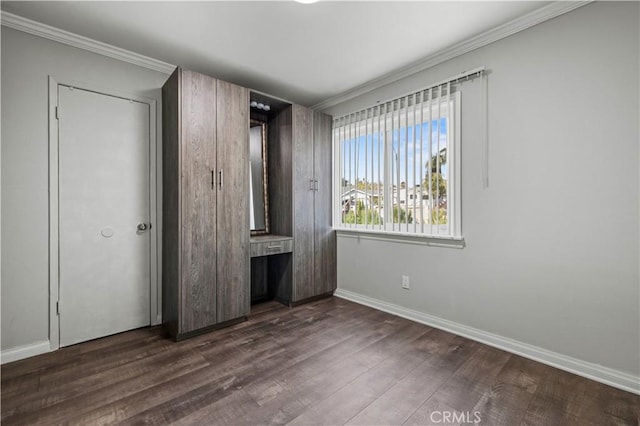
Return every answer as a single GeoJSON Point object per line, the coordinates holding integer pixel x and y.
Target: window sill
{"type": "Point", "coordinates": [397, 237]}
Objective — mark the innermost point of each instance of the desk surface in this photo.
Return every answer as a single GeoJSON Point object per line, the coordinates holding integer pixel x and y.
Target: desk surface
{"type": "Point", "coordinates": [268, 238]}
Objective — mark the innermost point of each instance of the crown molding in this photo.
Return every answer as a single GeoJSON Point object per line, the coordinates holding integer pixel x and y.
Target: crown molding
{"type": "Point", "coordinates": [19, 23]}
{"type": "Point", "coordinates": [536, 17]}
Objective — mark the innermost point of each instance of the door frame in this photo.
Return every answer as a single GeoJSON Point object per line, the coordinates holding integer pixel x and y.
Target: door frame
{"type": "Point", "coordinates": [54, 236]}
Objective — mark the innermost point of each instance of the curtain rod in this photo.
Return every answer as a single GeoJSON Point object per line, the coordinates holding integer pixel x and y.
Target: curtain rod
{"type": "Point", "coordinates": [465, 75]}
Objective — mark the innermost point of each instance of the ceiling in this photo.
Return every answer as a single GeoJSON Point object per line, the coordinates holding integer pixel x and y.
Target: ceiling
{"type": "Point", "coordinates": [305, 53]}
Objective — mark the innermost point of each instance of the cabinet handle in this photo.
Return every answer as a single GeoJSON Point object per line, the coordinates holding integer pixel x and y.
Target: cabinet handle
{"type": "Point", "coordinates": [213, 179]}
{"type": "Point", "coordinates": [315, 187]}
{"type": "Point", "coordinates": [221, 172]}
{"type": "Point", "coordinates": [274, 247]}
{"type": "Point", "coordinates": [311, 185]}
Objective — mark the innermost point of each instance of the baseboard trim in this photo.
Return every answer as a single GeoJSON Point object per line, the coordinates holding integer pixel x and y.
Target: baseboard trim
{"type": "Point", "coordinates": [608, 376]}
{"type": "Point", "coordinates": [22, 352]}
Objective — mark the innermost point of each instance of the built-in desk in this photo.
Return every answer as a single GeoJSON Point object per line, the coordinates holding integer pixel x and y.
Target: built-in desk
{"type": "Point", "coordinates": [271, 268]}
{"type": "Point", "coordinates": [267, 245]}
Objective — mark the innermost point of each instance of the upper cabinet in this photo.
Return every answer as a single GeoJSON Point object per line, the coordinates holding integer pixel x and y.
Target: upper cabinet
{"type": "Point", "coordinates": [205, 261]}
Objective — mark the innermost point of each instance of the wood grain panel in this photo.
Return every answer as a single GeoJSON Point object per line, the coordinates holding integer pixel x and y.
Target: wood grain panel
{"type": "Point", "coordinates": [280, 158]}
{"type": "Point", "coordinates": [303, 259]}
{"type": "Point", "coordinates": [198, 224]}
{"type": "Point", "coordinates": [280, 181]}
{"type": "Point", "coordinates": [171, 202]}
{"type": "Point", "coordinates": [233, 259]}
{"type": "Point", "coordinates": [325, 262]}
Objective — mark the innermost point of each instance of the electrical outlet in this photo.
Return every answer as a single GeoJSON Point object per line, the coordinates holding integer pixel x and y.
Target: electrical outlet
{"type": "Point", "coordinates": [405, 282]}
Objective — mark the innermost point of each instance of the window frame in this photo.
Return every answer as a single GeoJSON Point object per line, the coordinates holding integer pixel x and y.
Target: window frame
{"type": "Point", "coordinates": [452, 236]}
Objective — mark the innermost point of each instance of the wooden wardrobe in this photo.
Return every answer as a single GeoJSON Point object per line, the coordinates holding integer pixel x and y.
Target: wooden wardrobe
{"type": "Point", "coordinates": [205, 256]}
{"type": "Point", "coordinates": [300, 167]}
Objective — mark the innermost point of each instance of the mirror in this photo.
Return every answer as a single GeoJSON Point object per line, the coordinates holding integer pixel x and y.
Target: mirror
{"type": "Point", "coordinates": [258, 197]}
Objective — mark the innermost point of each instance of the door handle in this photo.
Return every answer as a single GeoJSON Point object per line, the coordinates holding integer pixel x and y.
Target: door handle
{"type": "Point", "coordinates": [143, 226]}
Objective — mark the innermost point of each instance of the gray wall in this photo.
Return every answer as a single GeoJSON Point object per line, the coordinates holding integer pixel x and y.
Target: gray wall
{"type": "Point", "coordinates": [552, 245]}
{"type": "Point", "coordinates": [27, 61]}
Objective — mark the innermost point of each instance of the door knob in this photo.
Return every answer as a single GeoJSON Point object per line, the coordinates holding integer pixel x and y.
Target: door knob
{"type": "Point", "coordinates": [142, 227]}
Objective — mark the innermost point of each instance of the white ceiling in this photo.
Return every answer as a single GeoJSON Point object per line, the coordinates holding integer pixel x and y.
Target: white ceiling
{"type": "Point", "coordinates": [304, 53]}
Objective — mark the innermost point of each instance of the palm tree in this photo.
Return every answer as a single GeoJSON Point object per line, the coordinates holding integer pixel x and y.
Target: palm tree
{"type": "Point", "coordinates": [438, 184]}
{"type": "Point", "coordinates": [437, 161]}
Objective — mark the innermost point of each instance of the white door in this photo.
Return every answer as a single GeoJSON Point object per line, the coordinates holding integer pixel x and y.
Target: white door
{"type": "Point", "coordinates": [103, 209]}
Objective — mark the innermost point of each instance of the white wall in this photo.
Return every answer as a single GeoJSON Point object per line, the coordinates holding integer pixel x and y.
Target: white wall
{"type": "Point", "coordinates": [552, 256]}
{"type": "Point", "coordinates": [27, 61]}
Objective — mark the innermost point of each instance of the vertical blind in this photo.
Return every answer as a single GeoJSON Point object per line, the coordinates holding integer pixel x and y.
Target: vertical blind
{"type": "Point", "coordinates": [397, 164]}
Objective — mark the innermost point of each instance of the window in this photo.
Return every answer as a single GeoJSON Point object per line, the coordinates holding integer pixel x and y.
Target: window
{"type": "Point", "coordinates": [397, 166]}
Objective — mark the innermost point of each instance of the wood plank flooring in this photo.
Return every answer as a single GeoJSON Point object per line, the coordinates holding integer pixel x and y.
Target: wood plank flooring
{"type": "Point", "coordinates": [330, 362]}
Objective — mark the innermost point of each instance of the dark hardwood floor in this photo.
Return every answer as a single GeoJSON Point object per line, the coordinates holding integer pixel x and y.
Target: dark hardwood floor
{"type": "Point", "coordinates": [329, 362]}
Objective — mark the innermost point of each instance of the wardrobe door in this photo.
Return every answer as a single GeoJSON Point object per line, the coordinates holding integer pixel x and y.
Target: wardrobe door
{"type": "Point", "coordinates": [324, 235]}
{"type": "Point", "coordinates": [233, 261]}
{"type": "Point", "coordinates": [198, 213]}
{"type": "Point", "coordinates": [303, 191]}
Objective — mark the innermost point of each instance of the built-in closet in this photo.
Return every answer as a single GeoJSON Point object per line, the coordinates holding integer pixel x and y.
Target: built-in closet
{"type": "Point", "coordinates": [300, 169]}
{"type": "Point", "coordinates": [213, 266]}
{"type": "Point", "coordinates": [205, 261]}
